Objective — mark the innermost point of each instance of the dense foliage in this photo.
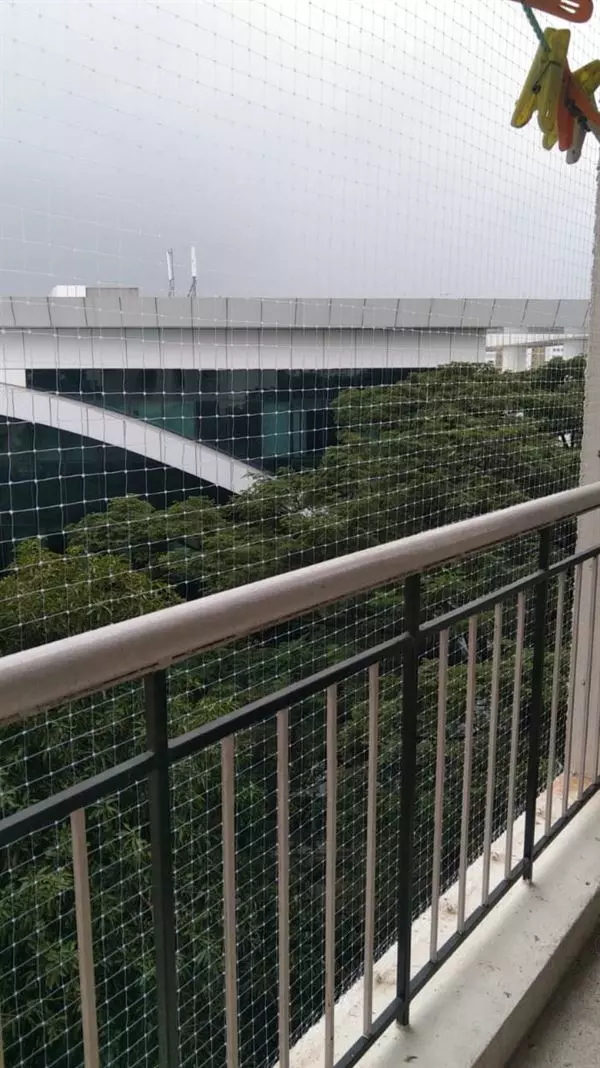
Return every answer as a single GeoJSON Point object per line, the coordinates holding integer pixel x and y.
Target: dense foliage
{"type": "Point", "coordinates": [441, 446]}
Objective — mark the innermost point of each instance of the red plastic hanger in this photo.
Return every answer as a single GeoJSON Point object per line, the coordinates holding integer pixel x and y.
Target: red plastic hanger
{"type": "Point", "coordinates": [572, 10]}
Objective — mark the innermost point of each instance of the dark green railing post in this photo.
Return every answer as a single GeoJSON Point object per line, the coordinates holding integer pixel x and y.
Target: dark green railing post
{"type": "Point", "coordinates": [537, 701]}
{"type": "Point", "coordinates": [410, 708]}
{"type": "Point", "coordinates": [163, 898]}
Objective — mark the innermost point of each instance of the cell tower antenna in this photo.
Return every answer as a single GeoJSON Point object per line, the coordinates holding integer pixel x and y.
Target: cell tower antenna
{"type": "Point", "coordinates": [170, 272]}
{"type": "Point", "coordinates": [193, 285]}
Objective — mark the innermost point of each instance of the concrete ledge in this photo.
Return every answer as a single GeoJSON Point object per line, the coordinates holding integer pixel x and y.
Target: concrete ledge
{"type": "Point", "coordinates": [482, 1003]}
{"type": "Point", "coordinates": [477, 1009]}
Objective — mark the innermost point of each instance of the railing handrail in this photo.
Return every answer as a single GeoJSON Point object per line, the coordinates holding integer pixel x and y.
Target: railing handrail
{"type": "Point", "coordinates": [85, 663]}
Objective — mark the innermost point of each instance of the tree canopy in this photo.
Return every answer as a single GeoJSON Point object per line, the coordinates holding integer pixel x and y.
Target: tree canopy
{"type": "Point", "coordinates": [441, 446]}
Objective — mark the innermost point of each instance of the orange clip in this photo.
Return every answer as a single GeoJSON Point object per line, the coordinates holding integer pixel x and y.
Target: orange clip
{"type": "Point", "coordinates": [580, 101]}
{"type": "Point", "coordinates": [576, 109]}
{"type": "Point", "coordinates": [572, 10]}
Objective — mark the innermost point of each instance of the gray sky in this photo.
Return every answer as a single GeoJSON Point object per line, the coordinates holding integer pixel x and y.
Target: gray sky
{"type": "Point", "coordinates": [306, 147]}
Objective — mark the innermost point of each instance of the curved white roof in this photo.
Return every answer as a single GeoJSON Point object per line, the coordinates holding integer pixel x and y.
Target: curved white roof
{"type": "Point", "coordinates": [134, 435]}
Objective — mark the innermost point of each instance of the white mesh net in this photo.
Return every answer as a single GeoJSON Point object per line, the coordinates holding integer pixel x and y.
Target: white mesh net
{"type": "Point", "coordinates": [161, 442]}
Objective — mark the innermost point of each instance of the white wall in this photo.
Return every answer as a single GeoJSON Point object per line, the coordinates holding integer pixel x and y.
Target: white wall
{"type": "Point", "coordinates": [237, 349]}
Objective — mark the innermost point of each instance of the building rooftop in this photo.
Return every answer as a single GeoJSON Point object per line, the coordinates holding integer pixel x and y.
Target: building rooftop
{"type": "Point", "coordinates": [124, 307]}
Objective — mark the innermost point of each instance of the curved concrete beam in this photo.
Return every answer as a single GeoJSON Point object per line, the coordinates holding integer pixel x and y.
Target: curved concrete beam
{"type": "Point", "coordinates": [134, 435]}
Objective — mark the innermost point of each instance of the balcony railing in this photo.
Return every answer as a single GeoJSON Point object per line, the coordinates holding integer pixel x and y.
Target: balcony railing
{"type": "Point", "coordinates": [424, 793]}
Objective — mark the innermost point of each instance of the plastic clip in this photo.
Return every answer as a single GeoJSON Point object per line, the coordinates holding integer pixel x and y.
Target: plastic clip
{"type": "Point", "coordinates": [571, 10]}
{"type": "Point", "coordinates": [577, 113]}
{"type": "Point", "coordinates": [544, 85]}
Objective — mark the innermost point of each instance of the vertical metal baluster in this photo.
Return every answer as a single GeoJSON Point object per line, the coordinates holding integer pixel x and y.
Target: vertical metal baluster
{"type": "Point", "coordinates": [163, 898]}
{"type": "Point", "coordinates": [438, 813]}
{"type": "Point", "coordinates": [283, 883]}
{"type": "Point", "coordinates": [371, 847]}
{"type": "Point", "coordinates": [229, 894]}
{"type": "Point", "coordinates": [578, 576]}
{"type": "Point", "coordinates": [330, 874]}
{"type": "Point", "coordinates": [85, 945]}
{"type": "Point", "coordinates": [514, 735]}
{"type": "Point", "coordinates": [588, 674]}
{"type": "Point", "coordinates": [410, 717]}
{"type": "Point", "coordinates": [558, 634]}
{"type": "Point", "coordinates": [536, 704]}
{"type": "Point", "coordinates": [491, 758]}
{"type": "Point", "coordinates": [467, 771]}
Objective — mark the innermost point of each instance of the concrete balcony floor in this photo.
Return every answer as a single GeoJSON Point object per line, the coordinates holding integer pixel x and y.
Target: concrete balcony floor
{"type": "Point", "coordinates": [567, 1035]}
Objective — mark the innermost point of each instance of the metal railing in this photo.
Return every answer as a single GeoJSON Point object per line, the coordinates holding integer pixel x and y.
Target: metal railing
{"type": "Point", "coordinates": [542, 607]}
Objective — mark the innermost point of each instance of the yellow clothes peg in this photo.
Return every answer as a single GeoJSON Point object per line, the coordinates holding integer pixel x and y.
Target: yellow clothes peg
{"type": "Point", "coordinates": [543, 86]}
{"type": "Point", "coordinates": [588, 77]}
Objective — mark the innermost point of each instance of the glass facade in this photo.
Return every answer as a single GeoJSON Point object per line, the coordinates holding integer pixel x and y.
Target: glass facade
{"type": "Point", "coordinates": [267, 418]}
{"type": "Point", "coordinates": [50, 478]}
{"type": "Point", "coordinates": [273, 419]}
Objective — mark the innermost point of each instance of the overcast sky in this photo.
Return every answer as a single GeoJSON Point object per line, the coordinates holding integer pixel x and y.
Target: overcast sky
{"type": "Point", "coordinates": [306, 147]}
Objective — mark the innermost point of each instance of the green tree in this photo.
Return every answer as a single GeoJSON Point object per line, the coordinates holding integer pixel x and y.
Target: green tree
{"type": "Point", "coordinates": [441, 446]}
{"type": "Point", "coordinates": [47, 596]}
